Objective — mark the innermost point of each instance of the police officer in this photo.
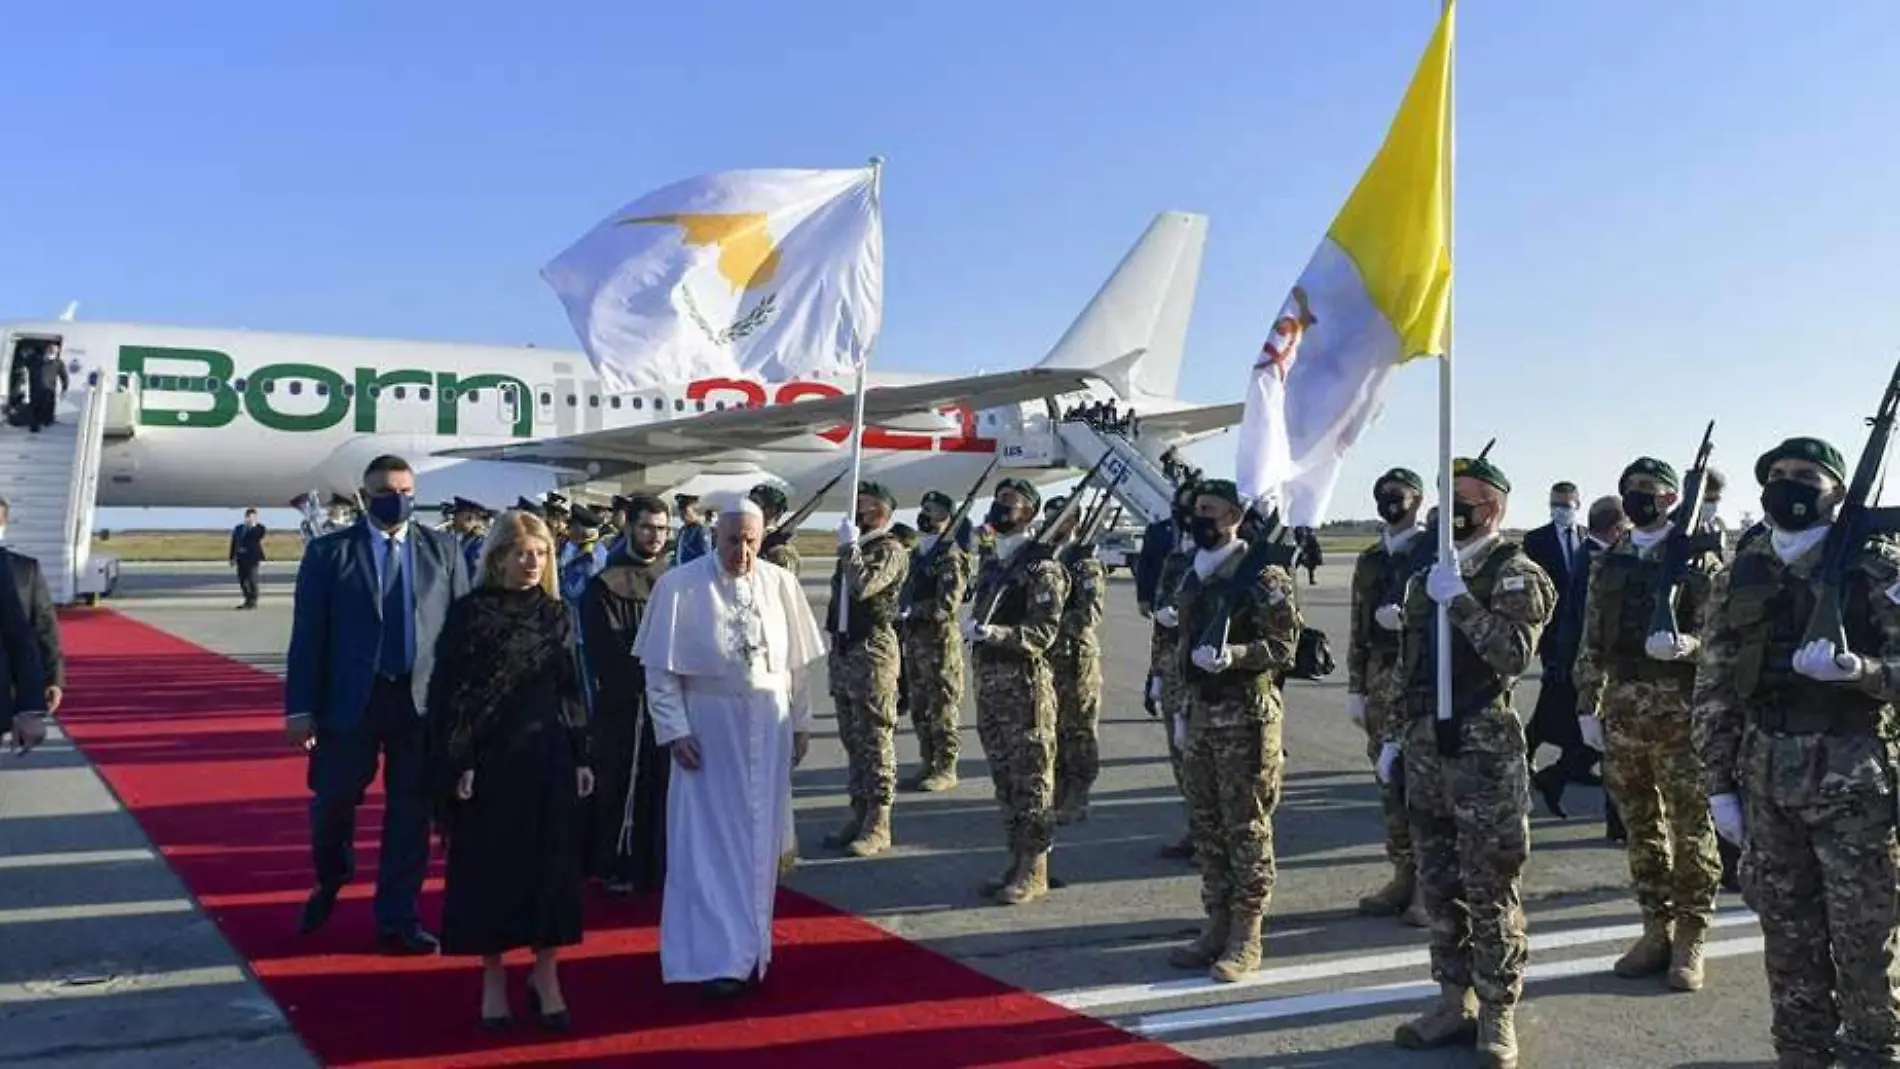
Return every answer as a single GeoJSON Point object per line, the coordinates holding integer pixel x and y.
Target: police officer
{"type": "Point", "coordinates": [1467, 779]}
{"type": "Point", "coordinates": [1797, 741]}
{"type": "Point", "coordinates": [1633, 690]}
{"type": "Point", "coordinates": [933, 652]}
{"type": "Point", "coordinates": [864, 664]}
{"type": "Point", "coordinates": [1234, 763]}
{"type": "Point", "coordinates": [1017, 611]}
{"type": "Point", "coordinates": [1372, 656]}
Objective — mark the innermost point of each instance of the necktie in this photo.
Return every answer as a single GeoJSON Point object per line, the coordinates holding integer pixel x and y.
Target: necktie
{"type": "Point", "coordinates": [394, 659]}
{"type": "Point", "coordinates": [1570, 551]}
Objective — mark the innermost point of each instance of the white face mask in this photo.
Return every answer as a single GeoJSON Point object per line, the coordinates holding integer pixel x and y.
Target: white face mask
{"type": "Point", "coordinates": [1563, 515]}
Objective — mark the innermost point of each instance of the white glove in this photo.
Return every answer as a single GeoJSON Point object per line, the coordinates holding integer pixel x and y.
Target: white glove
{"type": "Point", "coordinates": [1669, 646]}
{"type": "Point", "coordinates": [1212, 658]}
{"type": "Point", "coordinates": [972, 627]}
{"type": "Point", "coordinates": [847, 534]}
{"type": "Point", "coordinates": [1356, 708]}
{"type": "Point", "coordinates": [1390, 617]}
{"type": "Point", "coordinates": [1444, 583]}
{"type": "Point", "coordinates": [1180, 733]}
{"type": "Point", "coordinates": [1154, 688]}
{"type": "Point", "coordinates": [1591, 728]}
{"type": "Point", "coordinates": [1388, 759]}
{"type": "Point", "coordinates": [1822, 661]}
{"type": "Point", "coordinates": [988, 634]}
{"type": "Point", "coordinates": [1167, 617]}
{"type": "Point", "coordinates": [1726, 810]}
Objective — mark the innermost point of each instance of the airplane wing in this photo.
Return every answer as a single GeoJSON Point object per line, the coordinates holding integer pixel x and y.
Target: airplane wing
{"type": "Point", "coordinates": [1192, 421]}
{"type": "Point", "coordinates": [708, 434]}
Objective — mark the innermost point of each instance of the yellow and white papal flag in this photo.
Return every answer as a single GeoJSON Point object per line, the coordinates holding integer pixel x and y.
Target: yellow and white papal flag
{"type": "Point", "coordinates": [774, 274]}
{"type": "Point", "coordinates": [1376, 294]}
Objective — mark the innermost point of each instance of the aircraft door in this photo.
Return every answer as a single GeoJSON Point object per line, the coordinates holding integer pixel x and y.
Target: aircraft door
{"type": "Point", "coordinates": [24, 355]}
{"type": "Point", "coordinates": [544, 404]}
{"type": "Point", "coordinates": [510, 402]}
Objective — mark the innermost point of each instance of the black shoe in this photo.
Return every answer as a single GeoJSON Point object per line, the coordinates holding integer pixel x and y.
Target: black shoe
{"type": "Point", "coordinates": [497, 1024]}
{"type": "Point", "coordinates": [1549, 782]}
{"type": "Point", "coordinates": [552, 1022]}
{"type": "Point", "coordinates": [317, 909]}
{"type": "Point", "coordinates": [726, 988]}
{"type": "Point", "coordinates": [414, 943]}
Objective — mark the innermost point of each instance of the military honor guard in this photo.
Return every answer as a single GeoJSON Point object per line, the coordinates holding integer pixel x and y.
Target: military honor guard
{"type": "Point", "coordinates": [933, 652]}
{"type": "Point", "coordinates": [1164, 695]}
{"type": "Point", "coordinates": [864, 663]}
{"type": "Point", "coordinates": [1076, 660]}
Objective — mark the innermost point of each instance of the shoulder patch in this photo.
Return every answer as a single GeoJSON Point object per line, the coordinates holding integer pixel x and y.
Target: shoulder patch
{"type": "Point", "coordinates": [1511, 583]}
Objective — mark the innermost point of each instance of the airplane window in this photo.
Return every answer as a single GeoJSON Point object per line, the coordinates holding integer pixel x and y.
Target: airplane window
{"type": "Point", "coordinates": [401, 392]}
{"type": "Point", "coordinates": [571, 402]}
{"type": "Point", "coordinates": [699, 406]}
{"type": "Point", "coordinates": [720, 405]}
{"type": "Point", "coordinates": [679, 405]}
{"type": "Point", "coordinates": [547, 398]}
{"type": "Point", "coordinates": [613, 402]}
{"type": "Point", "coordinates": [238, 385]}
{"type": "Point", "coordinates": [593, 400]}
{"type": "Point", "coordinates": [637, 402]}
{"type": "Point", "coordinates": [92, 379]}
{"type": "Point", "coordinates": [323, 389]}
{"type": "Point", "coordinates": [476, 395]}
{"type": "Point", "coordinates": [296, 386]}
{"type": "Point", "coordinates": [422, 393]}
{"type": "Point", "coordinates": [125, 381]}
{"type": "Point", "coordinates": [448, 393]}
{"type": "Point", "coordinates": [375, 391]}
{"type": "Point", "coordinates": [349, 389]}
{"type": "Point", "coordinates": [213, 385]}
{"type": "Point", "coordinates": [270, 385]}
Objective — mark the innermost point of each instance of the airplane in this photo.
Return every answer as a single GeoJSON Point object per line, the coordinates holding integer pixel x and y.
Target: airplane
{"type": "Point", "coordinates": [233, 418]}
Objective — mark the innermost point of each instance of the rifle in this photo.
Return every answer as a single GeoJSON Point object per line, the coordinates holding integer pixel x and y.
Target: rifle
{"type": "Point", "coordinates": [1853, 524]}
{"type": "Point", "coordinates": [929, 559]}
{"type": "Point", "coordinates": [1041, 541]}
{"type": "Point", "coordinates": [786, 528]}
{"type": "Point", "coordinates": [1267, 545]}
{"type": "Point", "coordinates": [1681, 540]}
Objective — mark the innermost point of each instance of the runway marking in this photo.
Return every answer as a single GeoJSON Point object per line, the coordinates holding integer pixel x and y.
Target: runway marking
{"type": "Point", "coordinates": [1125, 996]}
{"type": "Point", "coordinates": [107, 985]}
{"type": "Point", "coordinates": [80, 857]}
{"type": "Point", "coordinates": [1161, 1024]}
{"type": "Point", "coordinates": [96, 911]}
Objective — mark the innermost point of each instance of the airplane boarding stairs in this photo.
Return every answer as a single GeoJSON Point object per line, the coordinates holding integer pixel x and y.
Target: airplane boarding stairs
{"type": "Point", "coordinates": [1135, 480]}
{"type": "Point", "coordinates": [51, 483]}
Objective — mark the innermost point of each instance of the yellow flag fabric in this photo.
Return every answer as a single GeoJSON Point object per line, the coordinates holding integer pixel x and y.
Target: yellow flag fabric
{"type": "Point", "coordinates": [1396, 226]}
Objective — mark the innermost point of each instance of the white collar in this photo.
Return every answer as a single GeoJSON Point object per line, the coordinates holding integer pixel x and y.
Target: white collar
{"type": "Point", "coordinates": [1645, 540]}
{"type": "Point", "coordinates": [1395, 541]}
{"type": "Point", "coordinates": [1207, 561]}
{"type": "Point", "coordinates": [1475, 547]}
{"type": "Point", "coordinates": [1007, 545]}
{"type": "Point", "coordinates": [1791, 546]}
{"type": "Point", "coordinates": [400, 534]}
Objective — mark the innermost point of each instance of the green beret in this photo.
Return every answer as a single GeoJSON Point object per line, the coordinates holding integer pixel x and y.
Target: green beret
{"type": "Point", "coordinates": [1221, 488]}
{"type": "Point", "coordinates": [768, 497]}
{"type": "Point", "coordinates": [1403, 476]}
{"type": "Point", "coordinates": [1021, 486]}
{"type": "Point", "coordinates": [868, 488]}
{"type": "Point", "coordinates": [938, 497]}
{"type": "Point", "coordinates": [1813, 450]}
{"type": "Point", "coordinates": [1652, 468]}
{"type": "Point", "coordinates": [1482, 470]}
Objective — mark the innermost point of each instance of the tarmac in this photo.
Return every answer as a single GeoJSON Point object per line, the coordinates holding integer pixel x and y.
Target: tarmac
{"type": "Point", "coordinates": [105, 960]}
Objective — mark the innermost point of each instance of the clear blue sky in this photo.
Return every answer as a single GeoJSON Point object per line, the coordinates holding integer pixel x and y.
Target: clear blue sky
{"type": "Point", "coordinates": [1666, 212]}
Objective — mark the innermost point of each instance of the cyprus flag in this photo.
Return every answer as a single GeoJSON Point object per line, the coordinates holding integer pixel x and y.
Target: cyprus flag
{"type": "Point", "coordinates": [771, 274]}
{"type": "Point", "coordinates": [1376, 294]}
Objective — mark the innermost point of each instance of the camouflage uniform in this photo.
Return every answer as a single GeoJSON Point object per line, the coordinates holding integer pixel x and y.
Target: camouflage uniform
{"type": "Point", "coordinates": [1076, 660]}
{"type": "Point", "coordinates": [933, 659]}
{"type": "Point", "coordinates": [1164, 673]}
{"type": "Point", "coordinates": [1814, 763]}
{"type": "Point", "coordinates": [1016, 708]}
{"type": "Point", "coordinates": [1235, 764]}
{"type": "Point", "coordinates": [1372, 658]}
{"type": "Point", "coordinates": [1650, 767]}
{"type": "Point", "coordinates": [783, 554]}
{"type": "Point", "coordinates": [1469, 794]}
{"type": "Point", "coordinates": [863, 667]}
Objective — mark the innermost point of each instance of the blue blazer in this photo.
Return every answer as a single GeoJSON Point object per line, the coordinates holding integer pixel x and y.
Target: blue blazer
{"type": "Point", "coordinates": [337, 621]}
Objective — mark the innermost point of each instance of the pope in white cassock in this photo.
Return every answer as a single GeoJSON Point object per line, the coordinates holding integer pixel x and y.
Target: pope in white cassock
{"type": "Point", "coordinates": [727, 642]}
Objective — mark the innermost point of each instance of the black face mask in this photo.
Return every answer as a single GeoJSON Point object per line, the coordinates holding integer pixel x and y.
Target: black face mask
{"type": "Point", "coordinates": [1391, 507]}
{"type": "Point", "coordinates": [1001, 519]}
{"type": "Point", "coordinates": [1790, 505]}
{"type": "Point", "coordinates": [929, 524]}
{"type": "Point", "coordinates": [1641, 507]}
{"type": "Point", "coordinates": [1464, 521]}
{"type": "Point", "coordinates": [1206, 534]}
{"type": "Point", "coordinates": [865, 521]}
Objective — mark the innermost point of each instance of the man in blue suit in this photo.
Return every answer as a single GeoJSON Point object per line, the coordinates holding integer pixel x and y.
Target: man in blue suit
{"type": "Point", "coordinates": [370, 601]}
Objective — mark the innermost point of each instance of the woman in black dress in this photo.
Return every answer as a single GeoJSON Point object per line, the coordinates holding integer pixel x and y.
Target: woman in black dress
{"type": "Point", "coordinates": [511, 747]}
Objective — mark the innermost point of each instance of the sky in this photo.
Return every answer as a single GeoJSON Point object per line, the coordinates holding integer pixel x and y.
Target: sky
{"type": "Point", "coordinates": [1666, 213]}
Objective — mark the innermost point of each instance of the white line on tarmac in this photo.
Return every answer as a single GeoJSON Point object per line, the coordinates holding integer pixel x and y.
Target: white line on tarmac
{"type": "Point", "coordinates": [1125, 996]}
{"type": "Point", "coordinates": [78, 857]}
{"type": "Point", "coordinates": [1160, 1024]}
{"type": "Point", "coordinates": [96, 911]}
{"type": "Point", "coordinates": [205, 976]}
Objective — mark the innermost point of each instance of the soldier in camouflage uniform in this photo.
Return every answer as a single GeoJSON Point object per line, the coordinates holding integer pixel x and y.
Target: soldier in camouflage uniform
{"type": "Point", "coordinates": [1234, 716]}
{"type": "Point", "coordinates": [1076, 659]}
{"type": "Point", "coordinates": [1372, 656]}
{"type": "Point", "coordinates": [1017, 609]}
{"type": "Point", "coordinates": [1633, 691]}
{"type": "Point", "coordinates": [1467, 779]}
{"type": "Point", "coordinates": [933, 651]}
{"type": "Point", "coordinates": [1164, 696]}
{"type": "Point", "coordinates": [1798, 741]}
{"type": "Point", "coordinates": [778, 548]}
{"type": "Point", "coordinates": [863, 665]}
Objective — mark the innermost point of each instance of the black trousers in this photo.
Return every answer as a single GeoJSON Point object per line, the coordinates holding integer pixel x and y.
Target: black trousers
{"type": "Point", "coordinates": [247, 580]}
{"type": "Point", "coordinates": [1554, 721]}
{"type": "Point", "coordinates": [40, 401]}
{"type": "Point", "coordinates": [342, 767]}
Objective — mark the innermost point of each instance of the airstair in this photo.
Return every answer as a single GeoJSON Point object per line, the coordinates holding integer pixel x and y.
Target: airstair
{"type": "Point", "coordinates": [1135, 479]}
{"type": "Point", "coordinates": [50, 479]}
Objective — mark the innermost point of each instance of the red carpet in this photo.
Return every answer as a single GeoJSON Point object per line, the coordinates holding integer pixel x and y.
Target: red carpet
{"type": "Point", "coordinates": [192, 742]}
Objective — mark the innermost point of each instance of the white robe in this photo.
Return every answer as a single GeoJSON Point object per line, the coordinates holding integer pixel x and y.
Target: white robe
{"type": "Point", "coordinates": [735, 680]}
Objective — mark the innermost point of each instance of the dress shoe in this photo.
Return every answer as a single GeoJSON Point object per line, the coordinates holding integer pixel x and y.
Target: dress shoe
{"type": "Point", "coordinates": [558, 1021]}
{"type": "Point", "coordinates": [413, 943]}
{"type": "Point", "coordinates": [317, 909]}
{"type": "Point", "coordinates": [497, 1024]}
{"type": "Point", "coordinates": [1549, 782]}
{"type": "Point", "coordinates": [725, 988]}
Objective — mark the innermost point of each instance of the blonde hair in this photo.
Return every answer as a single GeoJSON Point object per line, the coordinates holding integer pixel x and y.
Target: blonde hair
{"type": "Point", "coordinates": [508, 532]}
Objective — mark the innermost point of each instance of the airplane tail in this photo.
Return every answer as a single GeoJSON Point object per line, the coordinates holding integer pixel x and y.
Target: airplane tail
{"type": "Point", "coordinates": [1134, 331]}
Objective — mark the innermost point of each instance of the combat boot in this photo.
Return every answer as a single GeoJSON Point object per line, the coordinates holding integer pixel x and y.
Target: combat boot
{"type": "Point", "coordinates": [1415, 915]}
{"type": "Point", "coordinates": [997, 883]}
{"type": "Point", "coordinates": [875, 836]}
{"type": "Point", "coordinates": [1497, 1037]}
{"type": "Point", "coordinates": [1031, 882]}
{"type": "Point", "coordinates": [1685, 955]}
{"type": "Point", "coordinates": [1647, 956]}
{"type": "Point", "coordinates": [1075, 804]}
{"type": "Point", "coordinates": [1395, 896]}
{"type": "Point", "coordinates": [1179, 849]}
{"type": "Point", "coordinates": [1207, 946]}
{"type": "Point", "coordinates": [1453, 1020]}
{"type": "Point", "coordinates": [940, 780]}
{"type": "Point", "coordinates": [1242, 955]}
{"type": "Point", "coordinates": [851, 827]}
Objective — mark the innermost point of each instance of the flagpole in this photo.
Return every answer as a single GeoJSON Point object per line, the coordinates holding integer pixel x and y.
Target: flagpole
{"type": "Point", "coordinates": [857, 406]}
{"type": "Point", "coordinates": [1447, 553]}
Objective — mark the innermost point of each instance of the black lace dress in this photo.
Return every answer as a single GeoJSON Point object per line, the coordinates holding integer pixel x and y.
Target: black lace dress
{"type": "Point", "coordinates": [504, 701]}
